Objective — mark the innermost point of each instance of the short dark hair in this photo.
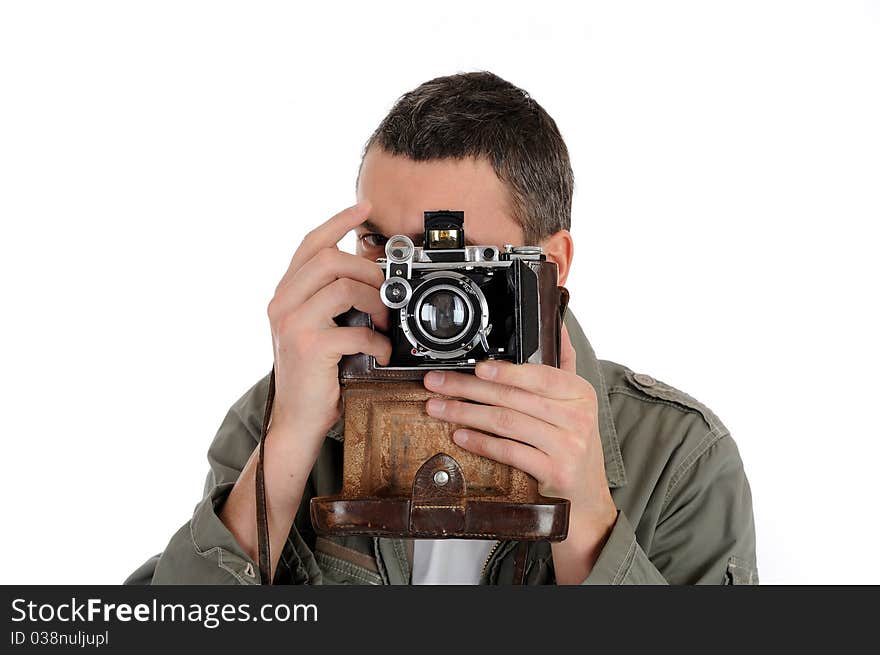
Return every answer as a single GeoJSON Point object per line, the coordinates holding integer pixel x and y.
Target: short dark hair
{"type": "Point", "coordinates": [481, 115]}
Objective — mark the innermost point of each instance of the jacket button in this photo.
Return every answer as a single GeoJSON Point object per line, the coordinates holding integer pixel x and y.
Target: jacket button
{"type": "Point", "coordinates": [644, 380]}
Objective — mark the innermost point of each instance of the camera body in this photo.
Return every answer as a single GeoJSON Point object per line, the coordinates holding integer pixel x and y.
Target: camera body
{"type": "Point", "coordinates": [453, 304]}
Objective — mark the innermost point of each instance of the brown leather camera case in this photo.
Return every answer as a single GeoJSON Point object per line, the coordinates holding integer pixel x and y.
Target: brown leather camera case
{"type": "Point", "coordinates": [403, 476]}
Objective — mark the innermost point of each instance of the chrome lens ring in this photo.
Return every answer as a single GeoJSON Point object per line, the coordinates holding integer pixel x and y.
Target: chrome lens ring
{"type": "Point", "coordinates": [480, 322]}
{"type": "Point", "coordinates": [468, 305]}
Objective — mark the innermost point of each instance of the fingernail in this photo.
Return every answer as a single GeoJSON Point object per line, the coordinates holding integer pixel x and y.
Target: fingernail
{"type": "Point", "coordinates": [487, 370]}
{"type": "Point", "coordinates": [435, 378]}
{"type": "Point", "coordinates": [460, 437]}
{"type": "Point", "coordinates": [436, 405]}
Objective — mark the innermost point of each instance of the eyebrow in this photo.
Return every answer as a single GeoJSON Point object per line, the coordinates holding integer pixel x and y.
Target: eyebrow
{"type": "Point", "coordinates": [372, 228]}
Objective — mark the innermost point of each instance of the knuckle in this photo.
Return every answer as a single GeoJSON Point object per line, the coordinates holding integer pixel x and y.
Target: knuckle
{"type": "Point", "coordinates": [506, 394]}
{"type": "Point", "coordinates": [505, 450]}
{"type": "Point", "coordinates": [505, 420]}
{"type": "Point", "coordinates": [285, 326]}
{"type": "Point", "coordinates": [273, 309]}
{"type": "Point", "coordinates": [477, 444]}
{"type": "Point", "coordinates": [455, 410]}
{"type": "Point", "coordinates": [343, 287]}
{"type": "Point", "coordinates": [311, 235]}
{"type": "Point", "coordinates": [326, 257]}
{"type": "Point", "coordinates": [577, 443]}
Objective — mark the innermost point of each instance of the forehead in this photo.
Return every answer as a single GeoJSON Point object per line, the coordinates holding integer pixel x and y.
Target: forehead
{"type": "Point", "coordinates": [401, 189]}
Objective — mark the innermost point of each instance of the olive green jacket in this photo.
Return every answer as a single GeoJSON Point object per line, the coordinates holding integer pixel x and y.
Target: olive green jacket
{"type": "Point", "coordinates": [685, 508]}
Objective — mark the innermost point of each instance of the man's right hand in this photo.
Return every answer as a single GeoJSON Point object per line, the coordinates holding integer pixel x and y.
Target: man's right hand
{"type": "Point", "coordinates": [320, 283]}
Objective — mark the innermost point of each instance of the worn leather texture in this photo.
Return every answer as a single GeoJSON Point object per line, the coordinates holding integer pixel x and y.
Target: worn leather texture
{"type": "Point", "coordinates": [393, 449]}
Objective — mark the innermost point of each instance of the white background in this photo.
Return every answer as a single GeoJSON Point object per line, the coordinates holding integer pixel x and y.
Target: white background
{"type": "Point", "coordinates": [159, 163]}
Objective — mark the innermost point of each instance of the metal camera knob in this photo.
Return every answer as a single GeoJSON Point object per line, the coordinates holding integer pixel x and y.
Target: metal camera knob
{"type": "Point", "coordinates": [395, 292]}
{"type": "Point", "coordinates": [399, 249]}
{"type": "Point", "coordinates": [527, 250]}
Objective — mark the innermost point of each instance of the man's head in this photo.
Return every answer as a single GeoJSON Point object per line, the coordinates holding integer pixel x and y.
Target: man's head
{"type": "Point", "coordinates": [476, 143]}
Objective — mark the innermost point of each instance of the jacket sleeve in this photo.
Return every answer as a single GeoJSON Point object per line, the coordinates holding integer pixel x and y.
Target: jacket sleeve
{"type": "Point", "coordinates": [705, 533]}
{"type": "Point", "coordinates": [203, 550]}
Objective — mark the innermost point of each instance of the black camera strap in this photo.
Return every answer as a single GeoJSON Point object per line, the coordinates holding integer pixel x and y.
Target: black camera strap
{"type": "Point", "coordinates": [262, 518]}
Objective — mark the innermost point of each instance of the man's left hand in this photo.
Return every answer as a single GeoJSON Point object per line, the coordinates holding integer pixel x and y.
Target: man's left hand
{"type": "Point", "coordinates": [546, 422]}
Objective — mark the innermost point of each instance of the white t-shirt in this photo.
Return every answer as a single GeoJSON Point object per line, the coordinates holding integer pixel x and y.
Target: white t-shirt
{"type": "Point", "coordinates": [449, 561]}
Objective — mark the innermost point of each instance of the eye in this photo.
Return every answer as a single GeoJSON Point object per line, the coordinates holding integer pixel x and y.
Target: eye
{"type": "Point", "coordinates": [372, 240]}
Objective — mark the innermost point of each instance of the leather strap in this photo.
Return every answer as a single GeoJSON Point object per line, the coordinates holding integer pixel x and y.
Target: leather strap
{"type": "Point", "coordinates": [260, 491]}
{"type": "Point", "coordinates": [564, 297]}
{"type": "Point", "coordinates": [389, 516]}
{"type": "Point", "coordinates": [438, 503]}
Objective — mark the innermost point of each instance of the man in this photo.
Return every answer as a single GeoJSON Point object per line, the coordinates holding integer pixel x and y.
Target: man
{"type": "Point", "coordinates": [657, 488]}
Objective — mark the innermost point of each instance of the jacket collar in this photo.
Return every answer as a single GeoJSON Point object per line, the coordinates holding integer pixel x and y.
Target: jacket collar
{"type": "Point", "coordinates": [588, 368]}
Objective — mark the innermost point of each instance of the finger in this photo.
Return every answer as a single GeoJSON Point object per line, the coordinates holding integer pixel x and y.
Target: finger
{"type": "Point", "coordinates": [353, 340]}
{"type": "Point", "coordinates": [327, 235]}
{"type": "Point", "coordinates": [464, 385]}
{"type": "Point", "coordinates": [541, 379]}
{"type": "Point", "coordinates": [340, 296]}
{"type": "Point", "coordinates": [567, 353]}
{"type": "Point", "coordinates": [522, 457]}
{"type": "Point", "coordinates": [503, 421]}
{"type": "Point", "coordinates": [327, 266]}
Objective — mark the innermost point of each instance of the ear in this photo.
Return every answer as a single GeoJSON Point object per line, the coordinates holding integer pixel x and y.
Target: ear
{"type": "Point", "coordinates": [559, 248]}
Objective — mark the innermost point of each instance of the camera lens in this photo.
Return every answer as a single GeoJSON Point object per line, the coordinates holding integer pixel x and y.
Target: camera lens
{"type": "Point", "coordinates": [444, 315]}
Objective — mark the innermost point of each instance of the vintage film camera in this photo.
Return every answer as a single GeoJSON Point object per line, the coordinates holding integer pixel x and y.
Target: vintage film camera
{"type": "Point", "coordinates": [452, 305]}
